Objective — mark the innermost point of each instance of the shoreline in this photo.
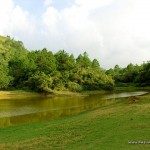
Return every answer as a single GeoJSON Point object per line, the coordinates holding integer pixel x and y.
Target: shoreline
{"type": "Point", "coordinates": [23, 94]}
{"type": "Point", "coordinates": [16, 94]}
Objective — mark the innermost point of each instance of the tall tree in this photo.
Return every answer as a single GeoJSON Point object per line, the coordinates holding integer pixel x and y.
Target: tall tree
{"type": "Point", "coordinates": [64, 61]}
{"type": "Point", "coordinates": [84, 60]}
{"type": "Point", "coordinates": [95, 64]}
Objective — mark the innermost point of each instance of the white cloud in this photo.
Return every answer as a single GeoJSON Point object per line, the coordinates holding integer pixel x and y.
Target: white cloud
{"type": "Point", "coordinates": [92, 4]}
{"type": "Point", "coordinates": [5, 10]}
{"type": "Point", "coordinates": [51, 18]}
{"type": "Point", "coordinates": [71, 29]}
{"type": "Point", "coordinates": [48, 2]}
{"type": "Point", "coordinates": [113, 31]}
{"type": "Point", "coordinates": [6, 6]}
{"type": "Point", "coordinates": [14, 20]}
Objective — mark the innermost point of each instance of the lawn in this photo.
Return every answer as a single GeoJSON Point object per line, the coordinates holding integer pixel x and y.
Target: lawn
{"type": "Point", "coordinates": [107, 128]}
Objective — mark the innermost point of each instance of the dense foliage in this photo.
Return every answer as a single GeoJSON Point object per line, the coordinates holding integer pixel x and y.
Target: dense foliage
{"type": "Point", "coordinates": [132, 74]}
{"type": "Point", "coordinates": [43, 71]}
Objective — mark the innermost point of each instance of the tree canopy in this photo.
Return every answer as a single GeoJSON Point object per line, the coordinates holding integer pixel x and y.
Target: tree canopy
{"type": "Point", "coordinates": [45, 71]}
{"type": "Point", "coordinates": [135, 74]}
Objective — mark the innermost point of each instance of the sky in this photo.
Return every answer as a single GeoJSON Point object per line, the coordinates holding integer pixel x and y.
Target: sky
{"type": "Point", "coordinates": [112, 31]}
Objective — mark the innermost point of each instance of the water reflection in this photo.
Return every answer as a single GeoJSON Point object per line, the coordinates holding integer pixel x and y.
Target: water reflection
{"type": "Point", "coordinates": [15, 111]}
{"type": "Point", "coordinates": [125, 94]}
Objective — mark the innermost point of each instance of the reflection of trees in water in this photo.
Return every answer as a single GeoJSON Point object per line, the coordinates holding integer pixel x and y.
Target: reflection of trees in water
{"type": "Point", "coordinates": [39, 116]}
{"type": "Point", "coordinates": [33, 110]}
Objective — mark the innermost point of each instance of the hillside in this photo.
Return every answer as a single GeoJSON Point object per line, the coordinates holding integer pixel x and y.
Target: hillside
{"type": "Point", "coordinates": [10, 46]}
{"type": "Point", "coordinates": [2, 40]}
{"type": "Point", "coordinates": [43, 71]}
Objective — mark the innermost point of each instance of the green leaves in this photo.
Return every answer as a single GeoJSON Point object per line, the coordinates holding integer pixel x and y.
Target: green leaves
{"type": "Point", "coordinates": [64, 61]}
{"type": "Point", "coordinates": [139, 75]}
{"type": "Point", "coordinates": [84, 61]}
{"type": "Point", "coordinates": [4, 80]}
{"type": "Point", "coordinates": [43, 71]}
{"type": "Point", "coordinates": [9, 50]}
{"type": "Point", "coordinates": [40, 82]}
{"type": "Point", "coordinates": [95, 64]}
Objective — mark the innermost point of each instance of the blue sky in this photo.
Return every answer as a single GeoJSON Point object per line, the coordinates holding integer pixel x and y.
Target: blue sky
{"type": "Point", "coordinates": [34, 7]}
{"type": "Point", "coordinates": [37, 7]}
{"type": "Point", "coordinates": [113, 31]}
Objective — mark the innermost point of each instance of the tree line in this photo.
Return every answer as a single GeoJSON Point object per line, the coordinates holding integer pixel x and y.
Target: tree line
{"type": "Point", "coordinates": [44, 71]}
{"type": "Point", "coordinates": [138, 75]}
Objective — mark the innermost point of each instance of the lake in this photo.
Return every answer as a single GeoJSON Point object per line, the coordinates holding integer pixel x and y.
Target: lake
{"type": "Point", "coordinates": [33, 109]}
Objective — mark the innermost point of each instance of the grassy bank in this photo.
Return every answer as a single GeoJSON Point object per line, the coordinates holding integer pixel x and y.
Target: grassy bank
{"type": "Point", "coordinates": [22, 93]}
{"type": "Point", "coordinates": [109, 127]}
{"type": "Point", "coordinates": [16, 94]}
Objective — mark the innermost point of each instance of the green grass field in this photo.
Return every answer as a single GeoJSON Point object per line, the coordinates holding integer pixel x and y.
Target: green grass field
{"type": "Point", "coordinates": [106, 128]}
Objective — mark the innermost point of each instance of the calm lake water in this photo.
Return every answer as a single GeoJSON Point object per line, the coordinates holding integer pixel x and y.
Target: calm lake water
{"type": "Point", "coordinates": [26, 110]}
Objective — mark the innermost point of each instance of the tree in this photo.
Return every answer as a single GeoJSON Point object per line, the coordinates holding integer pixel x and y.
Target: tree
{"type": "Point", "coordinates": [144, 75]}
{"type": "Point", "coordinates": [64, 61]}
{"type": "Point", "coordinates": [84, 61]}
{"type": "Point", "coordinates": [95, 64]}
{"type": "Point", "coordinates": [4, 76]}
{"type": "Point", "coordinates": [42, 71]}
{"type": "Point", "coordinates": [18, 69]}
{"type": "Point", "coordinates": [45, 61]}
{"type": "Point", "coordinates": [40, 82]}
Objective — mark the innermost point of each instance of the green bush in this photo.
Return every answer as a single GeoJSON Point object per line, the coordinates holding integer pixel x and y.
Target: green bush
{"type": "Point", "coordinates": [74, 86]}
